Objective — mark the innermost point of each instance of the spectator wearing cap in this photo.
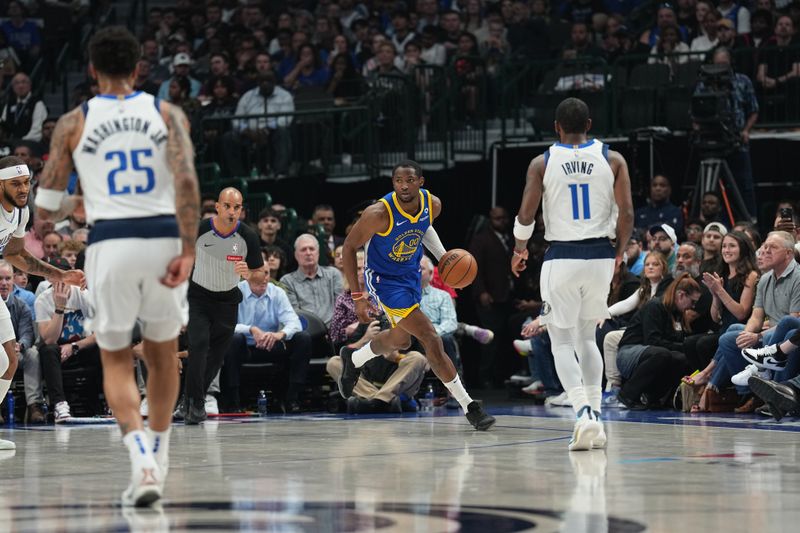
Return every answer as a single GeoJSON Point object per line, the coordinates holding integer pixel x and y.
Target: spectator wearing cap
{"type": "Point", "coordinates": [663, 239]}
{"type": "Point", "coordinates": [23, 113]}
{"type": "Point", "coordinates": [180, 68]}
{"type": "Point", "coordinates": [712, 246]}
{"type": "Point", "coordinates": [659, 208]}
{"type": "Point", "coordinates": [272, 131]}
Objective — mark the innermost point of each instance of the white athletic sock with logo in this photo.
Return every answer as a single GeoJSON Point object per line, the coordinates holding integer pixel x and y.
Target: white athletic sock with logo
{"type": "Point", "coordinates": [140, 450]}
{"type": "Point", "coordinates": [159, 442]}
{"type": "Point", "coordinates": [364, 354]}
{"type": "Point", "coordinates": [458, 391]}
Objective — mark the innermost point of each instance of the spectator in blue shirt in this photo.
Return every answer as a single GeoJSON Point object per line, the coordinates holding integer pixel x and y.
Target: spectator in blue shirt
{"type": "Point", "coordinates": [21, 291]}
{"type": "Point", "coordinates": [268, 331]}
{"type": "Point", "coordinates": [23, 35]}
{"type": "Point", "coordinates": [438, 306]}
{"type": "Point", "coordinates": [659, 209]}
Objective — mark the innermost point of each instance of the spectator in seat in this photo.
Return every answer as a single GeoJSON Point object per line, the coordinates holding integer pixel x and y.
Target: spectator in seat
{"type": "Point", "coordinates": [403, 33]}
{"type": "Point", "coordinates": [27, 354]}
{"type": "Point", "coordinates": [736, 13]}
{"type": "Point", "coordinates": [345, 84]}
{"type": "Point", "coordinates": [438, 306]}
{"type": "Point", "coordinates": [711, 209]}
{"type": "Point", "coordinates": [779, 63]}
{"type": "Point", "coordinates": [219, 68]}
{"type": "Point", "coordinates": [712, 246]}
{"type": "Point", "coordinates": [659, 208]}
{"type": "Point", "coordinates": [708, 38]}
{"type": "Point", "coordinates": [180, 69]}
{"type": "Point", "coordinates": [23, 114]}
{"type": "Point", "coordinates": [23, 35]}
{"type": "Point", "coordinates": [60, 314]}
{"type": "Point", "coordinates": [267, 330]}
{"type": "Point", "coordinates": [20, 290]}
{"type": "Point", "coordinates": [428, 11]}
{"type": "Point", "coordinates": [143, 82]}
{"type": "Point", "coordinates": [433, 52]}
{"type": "Point", "coordinates": [664, 240]}
{"type": "Point", "coordinates": [34, 236]}
{"type": "Point", "coordinates": [580, 44]}
{"type": "Point", "coordinates": [269, 227]}
{"type": "Point", "coordinates": [312, 288]}
{"type": "Point", "coordinates": [665, 17]}
{"type": "Point", "coordinates": [308, 70]}
{"type": "Point", "coordinates": [762, 23]}
{"type": "Point", "coordinates": [689, 257]}
{"type": "Point", "coordinates": [324, 216]}
{"type": "Point", "coordinates": [651, 350]}
{"type": "Point", "coordinates": [669, 50]}
{"type": "Point", "coordinates": [222, 103]}
{"type": "Point", "coordinates": [694, 231]}
{"type": "Point", "coordinates": [50, 243]}
{"type": "Point", "coordinates": [384, 380]}
{"type": "Point", "coordinates": [259, 133]}
{"type": "Point", "coordinates": [636, 251]}
{"type": "Point", "coordinates": [738, 44]}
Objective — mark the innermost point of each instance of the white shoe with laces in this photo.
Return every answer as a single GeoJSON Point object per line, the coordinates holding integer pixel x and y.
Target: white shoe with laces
{"type": "Point", "coordinates": [587, 429]}
{"type": "Point", "coordinates": [537, 387]}
{"type": "Point", "coordinates": [562, 400]}
{"type": "Point", "coordinates": [765, 358]}
{"type": "Point", "coordinates": [7, 445]}
{"type": "Point", "coordinates": [601, 440]}
{"type": "Point", "coordinates": [61, 412]}
{"type": "Point", "coordinates": [740, 379]}
{"type": "Point", "coordinates": [522, 347]}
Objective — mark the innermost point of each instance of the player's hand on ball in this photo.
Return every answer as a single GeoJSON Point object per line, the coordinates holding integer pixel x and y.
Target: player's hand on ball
{"type": "Point", "coordinates": [519, 261]}
{"type": "Point", "coordinates": [178, 270]}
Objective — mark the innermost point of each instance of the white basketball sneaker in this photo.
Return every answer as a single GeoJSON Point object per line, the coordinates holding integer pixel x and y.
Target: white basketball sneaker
{"type": "Point", "coordinates": [7, 445]}
{"type": "Point", "coordinates": [145, 487]}
{"type": "Point", "coordinates": [587, 429]}
{"type": "Point", "coordinates": [601, 440]}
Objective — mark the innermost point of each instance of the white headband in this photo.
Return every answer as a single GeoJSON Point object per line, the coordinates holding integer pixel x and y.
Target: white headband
{"type": "Point", "coordinates": [15, 171]}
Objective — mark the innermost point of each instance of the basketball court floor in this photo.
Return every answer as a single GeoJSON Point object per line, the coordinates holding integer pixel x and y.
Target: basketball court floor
{"type": "Point", "coordinates": [662, 472]}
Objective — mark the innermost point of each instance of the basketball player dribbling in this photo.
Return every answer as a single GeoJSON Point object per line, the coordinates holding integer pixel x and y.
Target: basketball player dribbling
{"type": "Point", "coordinates": [585, 192]}
{"type": "Point", "coordinates": [392, 231]}
{"type": "Point", "coordinates": [15, 185]}
{"type": "Point", "coordinates": [135, 161]}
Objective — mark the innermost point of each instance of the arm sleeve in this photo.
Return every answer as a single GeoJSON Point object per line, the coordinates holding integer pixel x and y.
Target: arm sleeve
{"type": "Point", "coordinates": [254, 258]}
{"type": "Point", "coordinates": [623, 307]}
{"type": "Point", "coordinates": [433, 243]}
{"type": "Point", "coordinates": [287, 316]}
{"type": "Point", "coordinates": [25, 321]}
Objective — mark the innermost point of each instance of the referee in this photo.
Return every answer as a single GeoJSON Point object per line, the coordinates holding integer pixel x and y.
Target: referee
{"type": "Point", "coordinates": [226, 250]}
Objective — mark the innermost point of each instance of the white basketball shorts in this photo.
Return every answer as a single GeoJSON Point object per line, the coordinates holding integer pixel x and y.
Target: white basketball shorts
{"type": "Point", "coordinates": [575, 290]}
{"type": "Point", "coordinates": [123, 276]}
{"type": "Point", "coordinates": [6, 326]}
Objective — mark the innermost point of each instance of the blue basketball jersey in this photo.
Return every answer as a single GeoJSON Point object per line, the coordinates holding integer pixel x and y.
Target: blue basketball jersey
{"type": "Point", "coordinates": [397, 251]}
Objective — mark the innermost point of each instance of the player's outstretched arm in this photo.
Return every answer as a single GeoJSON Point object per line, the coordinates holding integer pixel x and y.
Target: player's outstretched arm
{"type": "Point", "coordinates": [180, 156]}
{"type": "Point", "coordinates": [374, 219]}
{"type": "Point", "coordinates": [523, 224]}
{"type": "Point", "coordinates": [622, 195]}
{"type": "Point", "coordinates": [16, 254]}
{"type": "Point", "coordinates": [52, 201]}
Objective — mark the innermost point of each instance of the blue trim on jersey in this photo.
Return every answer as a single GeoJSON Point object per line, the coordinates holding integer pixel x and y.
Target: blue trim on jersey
{"type": "Point", "coordinates": [586, 249]}
{"type": "Point", "coordinates": [157, 227]}
{"type": "Point", "coordinates": [116, 96]}
{"type": "Point", "coordinates": [605, 151]}
{"type": "Point", "coordinates": [157, 103]}
{"type": "Point", "coordinates": [224, 235]}
{"type": "Point", "coordinates": [587, 144]}
{"type": "Point", "coordinates": [85, 109]}
{"type": "Point", "coordinates": [546, 157]}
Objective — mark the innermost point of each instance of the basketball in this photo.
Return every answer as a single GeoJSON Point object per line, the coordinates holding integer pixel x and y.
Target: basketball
{"type": "Point", "coordinates": [458, 268]}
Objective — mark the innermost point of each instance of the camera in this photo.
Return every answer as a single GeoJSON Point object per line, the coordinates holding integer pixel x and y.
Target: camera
{"type": "Point", "coordinates": [786, 213]}
{"type": "Point", "coordinates": [712, 111]}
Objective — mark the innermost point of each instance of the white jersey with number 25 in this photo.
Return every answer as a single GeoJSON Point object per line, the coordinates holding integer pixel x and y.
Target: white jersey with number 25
{"type": "Point", "coordinates": [578, 193]}
{"type": "Point", "coordinates": [121, 159]}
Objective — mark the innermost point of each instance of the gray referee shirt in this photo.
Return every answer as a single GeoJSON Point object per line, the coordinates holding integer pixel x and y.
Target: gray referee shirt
{"type": "Point", "coordinates": [216, 255]}
{"type": "Point", "coordinates": [315, 295]}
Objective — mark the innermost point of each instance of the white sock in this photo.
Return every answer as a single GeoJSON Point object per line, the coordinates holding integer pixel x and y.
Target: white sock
{"type": "Point", "coordinates": [567, 367]}
{"type": "Point", "coordinates": [159, 440]}
{"type": "Point", "coordinates": [458, 391]}
{"type": "Point", "coordinates": [591, 363]}
{"type": "Point", "coordinates": [470, 330]}
{"type": "Point", "coordinates": [140, 449]}
{"type": "Point", "coordinates": [594, 395]}
{"type": "Point", "coordinates": [364, 354]}
{"type": "Point", "coordinates": [5, 384]}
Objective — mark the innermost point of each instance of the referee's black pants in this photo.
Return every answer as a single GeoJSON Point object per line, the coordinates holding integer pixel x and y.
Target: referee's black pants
{"type": "Point", "coordinates": [208, 334]}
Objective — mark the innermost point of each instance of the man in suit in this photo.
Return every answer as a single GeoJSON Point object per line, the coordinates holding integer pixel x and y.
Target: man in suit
{"type": "Point", "coordinates": [492, 290]}
{"type": "Point", "coordinates": [325, 217]}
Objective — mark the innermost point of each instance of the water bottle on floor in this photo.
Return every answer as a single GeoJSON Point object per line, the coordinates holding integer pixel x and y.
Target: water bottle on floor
{"type": "Point", "coordinates": [10, 403]}
{"type": "Point", "coordinates": [262, 404]}
{"type": "Point", "coordinates": [426, 402]}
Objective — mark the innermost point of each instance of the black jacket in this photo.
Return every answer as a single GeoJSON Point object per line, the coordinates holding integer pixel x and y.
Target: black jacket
{"type": "Point", "coordinates": [652, 325]}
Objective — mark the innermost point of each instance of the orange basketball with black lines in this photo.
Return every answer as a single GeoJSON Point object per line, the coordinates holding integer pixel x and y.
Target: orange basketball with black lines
{"type": "Point", "coordinates": [458, 268]}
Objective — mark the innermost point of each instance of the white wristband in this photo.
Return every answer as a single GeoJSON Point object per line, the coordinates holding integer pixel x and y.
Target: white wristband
{"type": "Point", "coordinates": [49, 199]}
{"type": "Point", "coordinates": [521, 231]}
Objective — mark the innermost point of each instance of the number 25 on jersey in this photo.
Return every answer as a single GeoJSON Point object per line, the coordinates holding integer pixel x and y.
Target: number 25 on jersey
{"type": "Point", "coordinates": [578, 199]}
{"type": "Point", "coordinates": [136, 164]}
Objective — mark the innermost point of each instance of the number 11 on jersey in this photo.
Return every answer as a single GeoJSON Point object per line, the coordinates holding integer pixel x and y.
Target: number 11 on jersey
{"type": "Point", "coordinates": [584, 199]}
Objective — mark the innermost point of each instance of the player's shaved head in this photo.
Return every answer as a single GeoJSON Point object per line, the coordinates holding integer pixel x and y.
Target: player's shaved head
{"type": "Point", "coordinates": [572, 115]}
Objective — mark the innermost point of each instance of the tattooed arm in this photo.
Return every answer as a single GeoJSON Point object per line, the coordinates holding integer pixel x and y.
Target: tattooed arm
{"type": "Point", "coordinates": [55, 175]}
{"type": "Point", "coordinates": [16, 254]}
{"type": "Point", "coordinates": [180, 156]}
